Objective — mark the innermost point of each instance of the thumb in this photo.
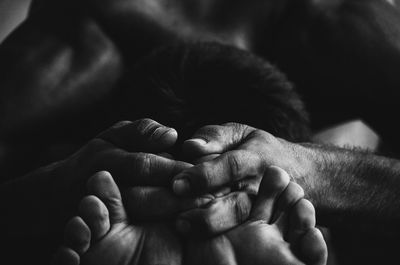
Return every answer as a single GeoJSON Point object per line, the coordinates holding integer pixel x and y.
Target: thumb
{"type": "Point", "coordinates": [143, 135]}
{"type": "Point", "coordinates": [215, 139]}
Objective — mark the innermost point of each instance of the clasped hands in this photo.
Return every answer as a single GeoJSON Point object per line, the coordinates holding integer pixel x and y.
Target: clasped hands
{"type": "Point", "coordinates": [230, 205]}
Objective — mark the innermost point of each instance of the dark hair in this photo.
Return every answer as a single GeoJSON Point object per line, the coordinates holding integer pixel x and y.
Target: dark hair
{"type": "Point", "coordinates": [194, 84]}
{"type": "Point", "coordinates": [184, 86]}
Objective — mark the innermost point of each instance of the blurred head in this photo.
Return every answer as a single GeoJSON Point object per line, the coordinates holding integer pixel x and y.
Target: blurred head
{"type": "Point", "coordinates": [195, 84]}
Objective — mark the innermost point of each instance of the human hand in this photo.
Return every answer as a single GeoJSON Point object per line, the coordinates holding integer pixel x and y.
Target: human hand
{"type": "Point", "coordinates": [51, 193]}
{"type": "Point", "coordinates": [280, 230]}
{"type": "Point", "coordinates": [237, 159]}
{"type": "Point", "coordinates": [102, 232]}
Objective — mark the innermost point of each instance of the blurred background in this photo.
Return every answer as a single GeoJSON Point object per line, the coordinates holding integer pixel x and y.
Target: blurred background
{"type": "Point", "coordinates": [12, 12]}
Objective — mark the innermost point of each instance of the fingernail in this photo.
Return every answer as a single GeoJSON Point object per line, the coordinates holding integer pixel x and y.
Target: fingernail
{"type": "Point", "coordinates": [222, 192]}
{"type": "Point", "coordinates": [197, 141]}
{"type": "Point", "coordinates": [161, 131]}
{"type": "Point", "coordinates": [181, 186]}
{"type": "Point", "coordinates": [202, 201]}
{"type": "Point", "coordinates": [183, 226]}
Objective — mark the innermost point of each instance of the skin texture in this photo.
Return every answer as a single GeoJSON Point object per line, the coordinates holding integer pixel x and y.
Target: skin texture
{"type": "Point", "coordinates": [270, 231]}
{"type": "Point", "coordinates": [93, 154]}
{"type": "Point", "coordinates": [49, 195]}
{"type": "Point", "coordinates": [388, 108]}
{"type": "Point", "coordinates": [116, 239]}
{"type": "Point", "coordinates": [354, 191]}
{"type": "Point", "coordinates": [355, 42]}
{"type": "Point", "coordinates": [324, 172]}
{"type": "Point", "coordinates": [103, 234]}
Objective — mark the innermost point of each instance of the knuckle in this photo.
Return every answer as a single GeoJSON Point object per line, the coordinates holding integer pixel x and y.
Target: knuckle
{"type": "Point", "coordinates": [207, 221]}
{"type": "Point", "coordinates": [278, 180]}
{"type": "Point", "coordinates": [204, 176]}
{"type": "Point", "coordinates": [94, 146]}
{"type": "Point", "coordinates": [244, 162]}
{"type": "Point", "coordinates": [145, 125]}
{"type": "Point", "coordinates": [138, 197]}
{"type": "Point", "coordinates": [121, 124]}
{"type": "Point", "coordinates": [143, 122]}
{"type": "Point", "coordinates": [263, 136]}
{"type": "Point", "coordinates": [239, 130]}
{"type": "Point", "coordinates": [142, 163]}
{"type": "Point", "coordinates": [108, 134]}
{"type": "Point", "coordinates": [209, 132]}
{"type": "Point", "coordinates": [231, 124]}
{"type": "Point", "coordinates": [149, 129]}
{"type": "Point", "coordinates": [296, 190]}
{"type": "Point", "coordinates": [136, 202]}
{"type": "Point", "coordinates": [139, 194]}
{"type": "Point", "coordinates": [250, 186]}
{"type": "Point", "coordinates": [242, 205]}
{"type": "Point", "coordinates": [234, 163]}
{"type": "Point", "coordinates": [214, 205]}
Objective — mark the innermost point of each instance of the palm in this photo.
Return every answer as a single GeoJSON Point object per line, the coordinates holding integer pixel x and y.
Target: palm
{"type": "Point", "coordinates": [254, 242]}
{"type": "Point", "coordinates": [130, 244]}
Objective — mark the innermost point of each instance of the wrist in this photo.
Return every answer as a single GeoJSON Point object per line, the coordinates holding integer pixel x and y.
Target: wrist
{"type": "Point", "coordinates": [307, 164]}
{"type": "Point", "coordinates": [300, 160]}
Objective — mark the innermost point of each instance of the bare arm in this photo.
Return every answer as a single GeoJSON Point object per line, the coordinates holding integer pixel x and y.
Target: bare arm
{"type": "Point", "coordinates": [348, 187]}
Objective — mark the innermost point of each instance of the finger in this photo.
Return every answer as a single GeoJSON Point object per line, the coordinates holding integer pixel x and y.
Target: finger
{"type": "Point", "coordinates": [150, 203]}
{"type": "Point", "coordinates": [166, 155]}
{"type": "Point", "coordinates": [274, 182]}
{"type": "Point", "coordinates": [205, 158]}
{"type": "Point", "coordinates": [96, 215]}
{"type": "Point", "coordinates": [139, 169]}
{"type": "Point", "coordinates": [142, 135]}
{"type": "Point", "coordinates": [77, 235]}
{"type": "Point", "coordinates": [66, 256]}
{"type": "Point", "coordinates": [104, 187]}
{"type": "Point", "coordinates": [218, 216]}
{"type": "Point", "coordinates": [313, 247]}
{"type": "Point", "coordinates": [302, 218]}
{"type": "Point", "coordinates": [225, 170]}
{"type": "Point", "coordinates": [289, 197]}
{"type": "Point", "coordinates": [158, 203]}
{"type": "Point", "coordinates": [215, 139]}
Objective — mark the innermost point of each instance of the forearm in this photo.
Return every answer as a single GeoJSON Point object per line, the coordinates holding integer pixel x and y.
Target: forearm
{"type": "Point", "coordinates": [353, 187]}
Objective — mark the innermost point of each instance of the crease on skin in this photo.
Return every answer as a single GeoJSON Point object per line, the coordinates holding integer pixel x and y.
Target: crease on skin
{"type": "Point", "coordinates": [234, 261]}
{"type": "Point", "coordinates": [136, 255]}
{"type": "Point", "coordinates": [231, 256]}
{"type": "Point", "coordinates": [201, 202]}
{"type": "Point", "coordinates": [240, 133]}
